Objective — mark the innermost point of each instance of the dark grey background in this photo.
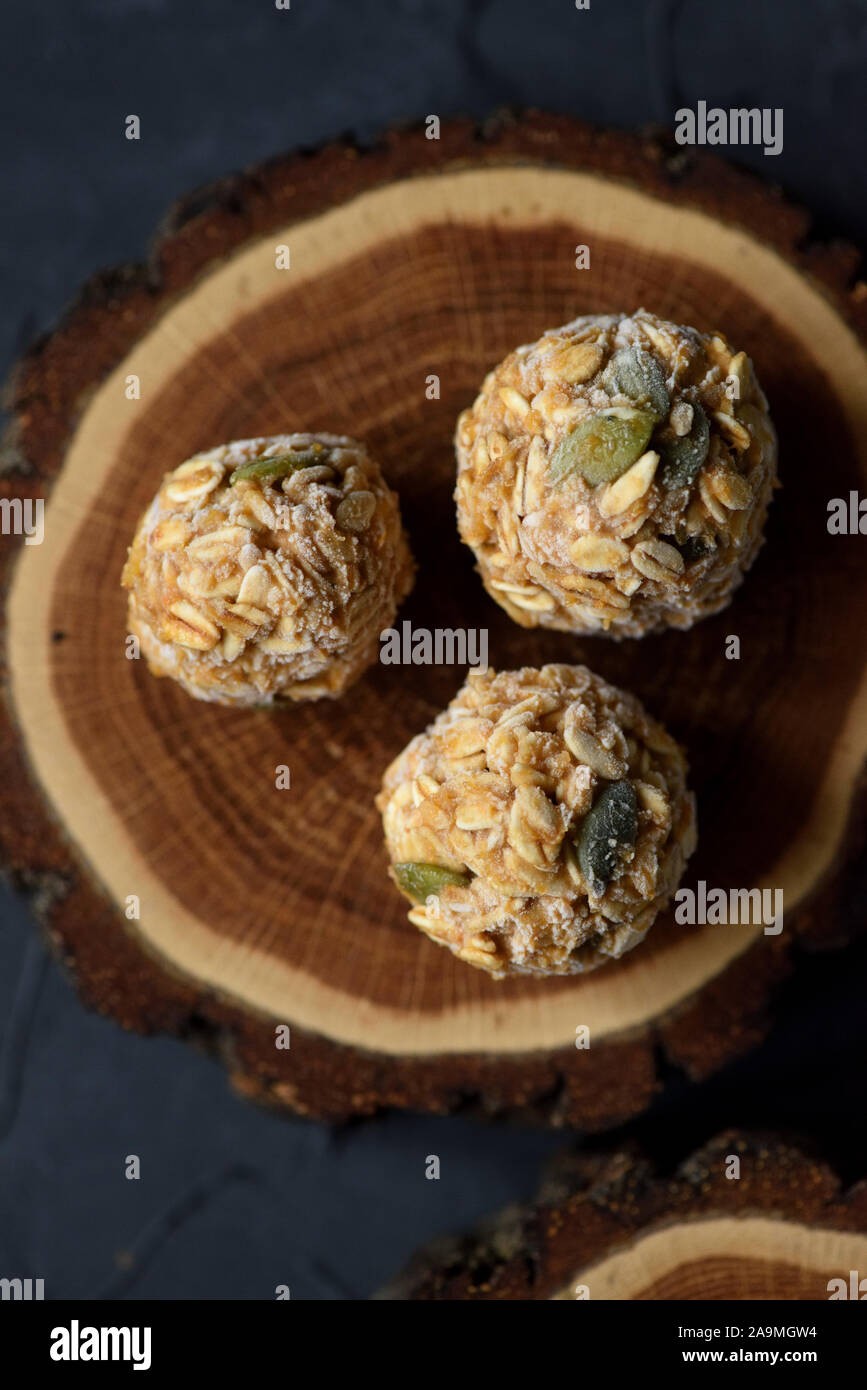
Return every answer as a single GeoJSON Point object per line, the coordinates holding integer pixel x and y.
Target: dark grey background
{"type": "Point", "coordinates": [233, 1200]}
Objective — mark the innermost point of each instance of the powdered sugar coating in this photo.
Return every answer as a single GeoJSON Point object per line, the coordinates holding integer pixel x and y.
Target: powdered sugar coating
{"type": "Point", "coordinates": [269, 588]}
{"type": "Point", "coordinates": [498, 787]}
{"type": "Point", "coordinates": [634, 554]}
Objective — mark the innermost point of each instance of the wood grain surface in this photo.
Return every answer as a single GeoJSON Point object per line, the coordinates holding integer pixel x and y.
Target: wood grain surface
{"type": "Point", "coordinates": [778, 1227]}
{"type": "Point", "coordinates": [260, 906]}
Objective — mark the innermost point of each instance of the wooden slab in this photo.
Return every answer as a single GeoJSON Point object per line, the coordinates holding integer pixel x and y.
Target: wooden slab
{"type": "Point", "coordinates": [260, 906]}
{"type": "Point", "coordinates": [610, 1228]}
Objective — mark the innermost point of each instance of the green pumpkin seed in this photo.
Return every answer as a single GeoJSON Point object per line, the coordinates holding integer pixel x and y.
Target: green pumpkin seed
{"type": "Point", "coordinates": [278, 465]}
{"type": "Point", "coordinates": [633, 372]}
{"type": "Point", "coordinates": [691, 547]}
{"type": "Point", "coordinates": [601, 447]}
{"type": "Point", "coordinates": [610, 826]}
{"type": "Point", "coordinates": [683, 457]}
{"type": "Point", "coordinates": [422, 880]}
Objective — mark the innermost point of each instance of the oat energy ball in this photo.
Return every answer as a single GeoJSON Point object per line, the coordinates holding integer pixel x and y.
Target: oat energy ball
{"type": "Point", "coordinates": [265, 570]}
{"type": "Point", "coordinates": [540, 823]}
{"type": "Point", "coordinates": [614, 476]}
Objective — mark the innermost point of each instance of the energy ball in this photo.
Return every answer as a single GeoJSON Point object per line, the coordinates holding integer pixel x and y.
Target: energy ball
{"type": "Point", "coordinates": [615, 476]}
{"type": "Point", "coordinates": [540, 823]}
{"type": "Point", "coordinates": [265, 570]}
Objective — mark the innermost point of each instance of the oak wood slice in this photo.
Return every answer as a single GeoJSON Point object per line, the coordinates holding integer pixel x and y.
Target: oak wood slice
{"type": "Point", "coordinates": [260, 906]}
{"type": "Point", "coordinates": [610, 1228]}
